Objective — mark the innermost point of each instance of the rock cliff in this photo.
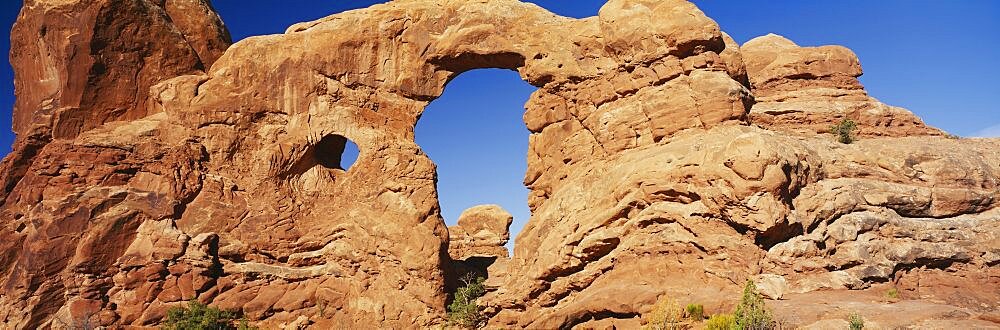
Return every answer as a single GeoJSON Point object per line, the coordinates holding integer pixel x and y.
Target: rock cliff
{"type": "Point", "coordinates": [162, 165]}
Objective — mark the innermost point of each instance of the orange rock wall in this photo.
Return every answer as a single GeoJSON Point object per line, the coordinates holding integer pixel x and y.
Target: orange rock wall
{"type": "Point", "coordinates": [170, 167]}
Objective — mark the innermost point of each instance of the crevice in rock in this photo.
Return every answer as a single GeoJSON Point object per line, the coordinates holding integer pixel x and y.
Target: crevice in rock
{"type": "Point", "coordinates": [596, 316]}
{"type": "Point", "coordinates": [932, 263]}
{"type": "Point", "coordinates": [779, 233]}
{"type": "Point", "coordinates": [324, 155]}
{"type": "Point", "coordinates": [473, 267]}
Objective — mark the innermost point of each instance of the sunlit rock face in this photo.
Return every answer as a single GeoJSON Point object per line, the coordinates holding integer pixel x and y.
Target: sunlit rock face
{"type": "Point", "coordinates": [482, 231]}
{"type": "Point", "coordinates": [214, 174]}
{"type": "Point", "coordinates": [809, 89]}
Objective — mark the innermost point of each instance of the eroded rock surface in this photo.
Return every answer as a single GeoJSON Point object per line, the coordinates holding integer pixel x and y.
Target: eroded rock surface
{"type": "Point", "coordinates": [832, 309]}
{"type": "Point", "coordinates": [79, 64]}
{"type": "Point", "coordinates": [809, 89]}
{"type": "Point", "coordinates": [218, 177]}
{"type": "Point", "coordinates": [482, 231]}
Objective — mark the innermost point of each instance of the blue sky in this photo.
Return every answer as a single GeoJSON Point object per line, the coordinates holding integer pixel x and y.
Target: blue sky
{"type": "Point", "coordinates": [937, 58]}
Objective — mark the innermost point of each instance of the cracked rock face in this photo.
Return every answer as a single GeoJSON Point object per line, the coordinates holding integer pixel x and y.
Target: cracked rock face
{"type": "Point", "coordinates": [192, 169]}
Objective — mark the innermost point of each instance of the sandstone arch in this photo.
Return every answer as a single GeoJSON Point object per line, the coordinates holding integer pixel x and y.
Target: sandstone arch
{"type": "Point", "coordinates": [368, 80]}
{"type": "Point", "coordinates": [642, 167]}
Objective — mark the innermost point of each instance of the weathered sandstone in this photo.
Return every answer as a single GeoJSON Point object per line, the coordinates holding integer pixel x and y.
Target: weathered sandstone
{"type": "Point", "coordinates": [719, 207]}
{"type": "Point", "coordinates": [482, 231]}
{"type": "Point", "coordinates": [808, 89]}
{"type": "Point", "coordinates": [476, 246]}
{"type": "Point", "coordinates": [214, 174]}
{"type": "Point", "coordinates": [80, 64]}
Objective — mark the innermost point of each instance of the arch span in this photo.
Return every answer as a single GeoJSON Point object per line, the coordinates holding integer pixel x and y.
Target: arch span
{"type": "Point", "coordinates": [628, 79]}
{"type": "Point", "coordinates": [475, 134]}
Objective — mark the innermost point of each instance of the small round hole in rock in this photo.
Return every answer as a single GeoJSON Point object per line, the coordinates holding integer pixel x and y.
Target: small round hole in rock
{"type": "Point", "coordinates": [336, 152]}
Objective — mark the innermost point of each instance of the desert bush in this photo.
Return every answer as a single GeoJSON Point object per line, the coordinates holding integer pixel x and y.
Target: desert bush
{"type": "Point", "coordinates": [720, 322]}
{"type": "Point", "coordinates": [696, 311]}
{"type": "Point", "coordinates": [845, 131]}
{"type": "Point", "coordinates": [463, 310]}
{"type": "Point", "coordinates": [751, 313]}
{"type": "Point", "coordinates": [892, 293]}
{"type": "Point", "coordinates": [857, 323]}
{"type": "Point", "coordinates": [198, 316]}
{"type": "Point", "coordinates": [321, 306]}
{"type": "Point", "coordinates": [666, 315]}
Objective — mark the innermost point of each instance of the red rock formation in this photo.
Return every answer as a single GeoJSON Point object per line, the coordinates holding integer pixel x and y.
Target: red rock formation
{"type": "Point", "coordinates": [809, 89]}
{"type": "Point", "coordinates": [476, 246]}
{"type": "Point", "coordinates": [646, 177]}
{"type": "Point", "coordinates": [79, 64]}
{"type": "Point", "coordinates": [482, 231]}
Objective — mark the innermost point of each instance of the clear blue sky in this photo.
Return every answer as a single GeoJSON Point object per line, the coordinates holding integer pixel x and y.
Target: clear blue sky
{"type": "Point", "coordinates": [940, 59]}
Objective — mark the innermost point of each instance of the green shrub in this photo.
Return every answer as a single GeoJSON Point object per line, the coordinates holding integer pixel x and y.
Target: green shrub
{"type": "Point", "coordinates": [696, 311]}
{"type": "Point", "coordinates": [666, 315]}
{"type": "Point", "coordinates": [751, 313]}
{"type": "Point", "coordinates": [857, 323]}
{"type": "Point", "coordinates": [321, 306]}
{"type": "Point", "coordinates": [892, 293]}
{"type": "Point", "coordinates": [845, 131]}
{"type": "Point", "coordinates": [463, 310]}
{"type": "Point", "coordinates": [720, 322]}
{"type": "Point", "coordinates": [198, 316]}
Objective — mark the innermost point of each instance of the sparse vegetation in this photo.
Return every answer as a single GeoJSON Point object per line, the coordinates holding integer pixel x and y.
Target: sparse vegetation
{"type": "Point", "coordinates": [321, 306]}
{"type": "Point", "coordinates": [720, 322]}
{"type": "Point", "coordinates": [892, 293]}
{"type": "Point", "coordinates": [464, 311]}
{"type": "Point", "coordinates": [845, 131]}
{"type": "Point", "coordinates": [952, 136]}
{"type": "Point", "coordinates": [751, 313]}
{"type": "Point", "coordinates": [666, 315]}
{"type": "Point", "coordinates": [857, 323]}
{"type": "Point", "coordinates": [198, 316]}
{"type": "Point", "coordinates": [696, 311]}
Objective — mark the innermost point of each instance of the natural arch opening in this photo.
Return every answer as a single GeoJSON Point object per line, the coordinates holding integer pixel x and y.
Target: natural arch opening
{"type": "Point", "coordinates": [476, 135]}
{"type": "Point", "coordinates": [322, 162]}
{"type": "Point", "coordinates": [335, 152]}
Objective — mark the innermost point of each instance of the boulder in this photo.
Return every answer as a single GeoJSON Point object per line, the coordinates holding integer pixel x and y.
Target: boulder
{"type": "Point", "coordinates": [771, 286]}
{"type": "Point", "coordinates": [482, 231]}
